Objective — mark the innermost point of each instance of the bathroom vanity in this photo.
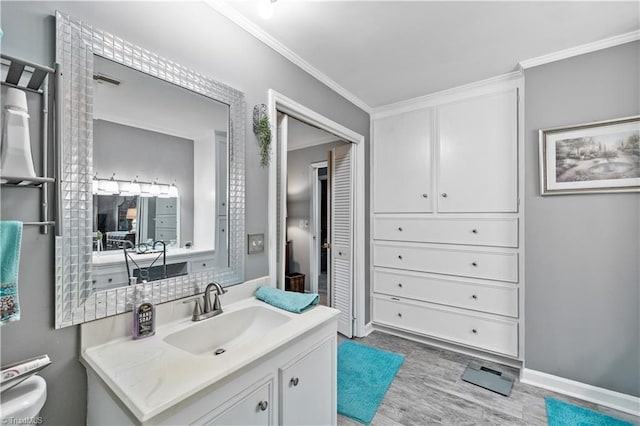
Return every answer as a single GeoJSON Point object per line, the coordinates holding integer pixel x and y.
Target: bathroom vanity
{"type": "Point", "coordinates": [272, 367]}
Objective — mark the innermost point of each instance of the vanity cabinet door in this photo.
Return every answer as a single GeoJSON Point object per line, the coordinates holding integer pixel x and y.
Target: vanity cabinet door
{"type": "Point", "coordinates": [253, 406]}
{"type": "Point", "coordinates": [402, 163]}
{"type": "Point", "coordinates": [308, 388]}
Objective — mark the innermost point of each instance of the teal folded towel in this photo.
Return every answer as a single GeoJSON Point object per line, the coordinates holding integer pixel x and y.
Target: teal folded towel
{"type": "Point", "coordinates": [288, 300]}
{"type": "Point", "coordinates": [10, 242]}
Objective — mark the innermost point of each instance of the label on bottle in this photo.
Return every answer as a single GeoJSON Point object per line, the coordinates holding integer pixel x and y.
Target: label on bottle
{"type": "Point", "coordinates": [145, 326]}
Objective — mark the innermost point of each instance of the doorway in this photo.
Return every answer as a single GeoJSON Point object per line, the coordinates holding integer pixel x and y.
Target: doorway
{"type": "Point", "coordinates": [350, 218]}
{"type": "Point", "coordinates": [319, 255]}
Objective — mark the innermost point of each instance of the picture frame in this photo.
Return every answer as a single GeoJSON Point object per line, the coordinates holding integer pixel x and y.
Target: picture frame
{"type": "Point", "coordinates": [598, 157]}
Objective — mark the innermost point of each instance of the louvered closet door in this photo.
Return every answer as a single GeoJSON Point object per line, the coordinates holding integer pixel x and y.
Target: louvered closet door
{"type": "Point", "coordinates": [342, 236]}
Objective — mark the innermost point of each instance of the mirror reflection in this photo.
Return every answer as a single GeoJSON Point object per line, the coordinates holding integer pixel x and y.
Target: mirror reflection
{"type": "Point", "coordinates": [159, 192]}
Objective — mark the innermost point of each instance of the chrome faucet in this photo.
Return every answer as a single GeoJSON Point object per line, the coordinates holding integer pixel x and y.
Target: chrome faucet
{"type": "Point", "coordinates": [209, 310]}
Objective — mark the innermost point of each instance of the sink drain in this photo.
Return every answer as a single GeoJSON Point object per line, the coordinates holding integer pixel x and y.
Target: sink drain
{"type": "Point", "coordinates": [219, 351]}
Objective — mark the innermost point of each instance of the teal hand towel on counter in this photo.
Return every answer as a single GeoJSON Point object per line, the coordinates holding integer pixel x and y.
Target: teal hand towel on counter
{"type": "Point", "coordinates": [288, 300]}
{"type": "Point", "coordinates": [10, 244]}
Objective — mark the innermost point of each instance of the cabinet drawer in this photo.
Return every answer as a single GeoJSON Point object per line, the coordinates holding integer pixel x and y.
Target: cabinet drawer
{"type": "Point", "coordinates": [474, 262]}
{"type": "Point", "coordinates": [106, 280]}
{"type": "Point", "coordinates": [254, 407]}
{"type": "Point", "coordinates": [166, 221]}
{"type": "Point", "coordinates": [166, 234]}
{"type": "Point", "coordinates": [198, 265]}
{"type": "Point", "coordinates": [468, 294]}
{"type": "Point", "coordinates": [487, 232]}
{"type": "Point", "coordinates": [166, 205]}
{"type": "Point", "coordinates": [495, 335]}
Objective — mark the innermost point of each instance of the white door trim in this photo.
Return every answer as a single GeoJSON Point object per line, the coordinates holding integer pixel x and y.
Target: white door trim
{"type": "Point", "coordinates": [314, 208]}
{"type": "Point", "coordinates": [279, 102]}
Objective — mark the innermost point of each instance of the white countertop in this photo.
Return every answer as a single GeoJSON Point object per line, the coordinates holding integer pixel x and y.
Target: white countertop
{"type": "Point", "coordinates": [150, 376]}
{"type": "Point", "coordinates": [112, 257]}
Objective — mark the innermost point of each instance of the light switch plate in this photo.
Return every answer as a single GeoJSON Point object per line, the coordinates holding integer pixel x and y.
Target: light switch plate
{"type": "Point", "coordinates": [255, 243]}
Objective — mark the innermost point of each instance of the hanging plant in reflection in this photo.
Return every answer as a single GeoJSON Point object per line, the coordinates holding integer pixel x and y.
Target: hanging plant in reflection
{"type": "Point", "coordinates": [262, 129]}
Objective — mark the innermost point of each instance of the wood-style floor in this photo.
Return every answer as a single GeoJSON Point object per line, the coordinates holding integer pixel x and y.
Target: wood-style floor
{"type": "Point", "coordinates": [428, 390]}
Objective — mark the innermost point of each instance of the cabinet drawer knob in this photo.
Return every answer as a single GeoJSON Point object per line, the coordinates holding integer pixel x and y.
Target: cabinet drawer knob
{"type": "Point", "coordinates": [400, 256]}
{"type": "Point", "coordinates": [204, 265]}
{"type": "Point", "coordinates": [262, 405]}
{"type": "Point", "coordinates": [474, 264]}
{"type": "Point", "coordinates": [425, 195]}
{"type": "Point", "coordinates": [474, 331]}
{"type": "Point", "coordinates": [475, 297]}
{"type": "Point", "coordinates": [474, 231]}
{"type": "Point", "coordinates": [110, 280]}
{"type": "Point", "coordinates": [444, 195]}
{"type": "Point", "coordinates": [294, 381]}
{"type": "Point", "coordinates": [399, 314]}
{"type": "Point", "coordinates": [400, 228]}
{"type": "Point", "coordinates": [400, 285]}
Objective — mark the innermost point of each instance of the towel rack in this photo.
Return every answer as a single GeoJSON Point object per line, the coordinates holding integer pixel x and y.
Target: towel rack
{"type": "Point", "coordinates": [38, 82]}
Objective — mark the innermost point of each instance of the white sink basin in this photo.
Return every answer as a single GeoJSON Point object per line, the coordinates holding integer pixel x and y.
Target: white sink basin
{"type": "Point", "coordinates": [226, 330]}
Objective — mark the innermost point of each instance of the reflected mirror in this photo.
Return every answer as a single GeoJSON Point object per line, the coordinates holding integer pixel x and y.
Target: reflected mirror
{"type": "Point", "coordinates": [160, 184]}
{"type": "Point", "coordinates": [150, 176]}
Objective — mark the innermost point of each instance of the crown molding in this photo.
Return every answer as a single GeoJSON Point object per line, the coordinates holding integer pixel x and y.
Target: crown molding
{"type": "Point", "coordinates": [239, 19]}
{"type": "Point", "coordinates": [512, 79]}
{"type": "Point", "coordinates": [581, 49]}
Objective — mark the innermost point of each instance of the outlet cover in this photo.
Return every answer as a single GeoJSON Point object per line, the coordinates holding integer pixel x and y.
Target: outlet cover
{"type": "Point", "coordinates": [255, 243]}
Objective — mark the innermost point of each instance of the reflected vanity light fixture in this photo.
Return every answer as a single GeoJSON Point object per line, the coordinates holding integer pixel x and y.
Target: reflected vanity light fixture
{"type": "Point", "coordinates": [133, 188]}
{"type": "Point", "coordinates": [173, 190]}
{"type": "Point", "coordinates": [108, 187]}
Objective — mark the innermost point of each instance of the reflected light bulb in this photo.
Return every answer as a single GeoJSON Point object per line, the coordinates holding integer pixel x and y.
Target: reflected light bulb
{"type": "Point", "coordinates": [265, 9]}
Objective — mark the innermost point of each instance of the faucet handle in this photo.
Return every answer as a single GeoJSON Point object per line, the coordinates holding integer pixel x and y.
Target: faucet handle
{"type": "Point", "coordinates": [197, 309]}
{"type": "Point", "coordinates": [216, 303]}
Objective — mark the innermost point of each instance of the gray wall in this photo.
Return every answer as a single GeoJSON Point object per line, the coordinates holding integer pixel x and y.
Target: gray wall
{"type": "Point", "coordinates": [129, 152]}
{"type": "Point", "coordinates": [191, 34]}
{"type": "Point", "coordinates": [299, 203]}
{"type": "Point", "coordinates": [582, 251]}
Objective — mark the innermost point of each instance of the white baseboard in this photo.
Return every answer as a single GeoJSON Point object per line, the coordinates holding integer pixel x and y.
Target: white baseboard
{"type": "Point", "coordinates": [368, 329]}
{"type": "Point", "coordinates": [616, 400]}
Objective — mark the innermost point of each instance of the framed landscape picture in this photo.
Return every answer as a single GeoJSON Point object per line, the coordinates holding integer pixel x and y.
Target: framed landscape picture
{"type": "Point", "coordinates": [588, 158]}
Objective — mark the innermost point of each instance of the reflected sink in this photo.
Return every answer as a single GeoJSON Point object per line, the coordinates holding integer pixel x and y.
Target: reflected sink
{"type": "Point", "coordinates": [226, 330]}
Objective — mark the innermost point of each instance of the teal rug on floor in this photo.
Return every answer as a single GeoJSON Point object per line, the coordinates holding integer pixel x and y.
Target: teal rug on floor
{"type": "Point", "coordinates": [563, 414]}
{"type": "Point", "coordinates": [364, 375]}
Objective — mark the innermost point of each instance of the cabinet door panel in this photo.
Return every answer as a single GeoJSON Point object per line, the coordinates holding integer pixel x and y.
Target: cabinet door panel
{"type": "Point", "coordinates": [255, 408]}
{"type": "Point", "coordinates": [478, 154]}
{"type": "Point", "coordinates": [402, 163]}
{"type": "Point", "coordinates": [307, 389]}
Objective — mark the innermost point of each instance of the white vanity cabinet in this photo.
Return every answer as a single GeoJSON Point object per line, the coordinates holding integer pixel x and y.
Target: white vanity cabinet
{"type": "Point", "coordinates": [450, 270]}
{"type": "Point", "coordinates": [306, 391]}
{"type": "Point", "coordinates": [284, 377]}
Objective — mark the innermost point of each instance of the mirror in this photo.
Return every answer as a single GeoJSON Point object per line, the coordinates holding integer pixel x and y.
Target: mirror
{"type": "Point", "coordinates": [151, 174]}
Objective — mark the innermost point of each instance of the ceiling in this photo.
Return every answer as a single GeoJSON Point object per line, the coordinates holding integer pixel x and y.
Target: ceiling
{"type": "Point", "coordinates": [149, 103]}
{"type": "Point", "coordinates": [383, 52]}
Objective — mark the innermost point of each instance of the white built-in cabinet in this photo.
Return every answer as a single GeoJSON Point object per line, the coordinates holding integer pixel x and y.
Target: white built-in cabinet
{"type": "Point", "coordinates": [402, 163]}
{"type": "Point", "coordinates": [447, 225]}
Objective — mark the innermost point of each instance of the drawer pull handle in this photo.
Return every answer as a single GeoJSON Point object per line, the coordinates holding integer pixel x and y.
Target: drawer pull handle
{"type": "Point", "coordinates": [400, 285]}
{"type": "Point", "coordinates": [399, 314]}
{"type": "Point", "coordinates": [94, 281]}
{"type": "Point", "coordinates": [204, 265]}
{"type": "Point", "coordinates": [474, 264]}
{"type": "Point", "coordinates": [294, 381]}
{"type": "Point", "coordinates": [444, 195]}
{"type": "Point", "coordinates": [475, 297]}
{"type": "Point", "coordinates": [474, 331]}
{"type": "Point", "coordinates": [400, 228]}
{"type": "Point", "coordinates": [425, 195]}
{"type": "Point", "coordinates": [110, 279]}
{"type": "Point", "coordinates": [395, 298]}
{"type": "Point", "coordinates": [400, 257]}
{"type": "Point", "coordinates": [474, 231]}
{"type": "Point", "coordinates": [262, 405]}
{"type": "Point", "coordinates": [339, 253]}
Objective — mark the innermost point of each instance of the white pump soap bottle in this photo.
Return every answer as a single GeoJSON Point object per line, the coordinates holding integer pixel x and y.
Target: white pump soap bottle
{"type": "Point", "coordinates": [16, 143]}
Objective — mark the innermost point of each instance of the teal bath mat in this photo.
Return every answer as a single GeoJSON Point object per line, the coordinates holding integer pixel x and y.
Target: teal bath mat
{"type": "Point", "coordinates": [364, 375]}
{"type": "Point", "coordinates": [562, 414]}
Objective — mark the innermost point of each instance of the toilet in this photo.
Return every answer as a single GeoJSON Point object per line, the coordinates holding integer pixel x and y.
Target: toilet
{"type": "Point", "coordinates": [22, 403]}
